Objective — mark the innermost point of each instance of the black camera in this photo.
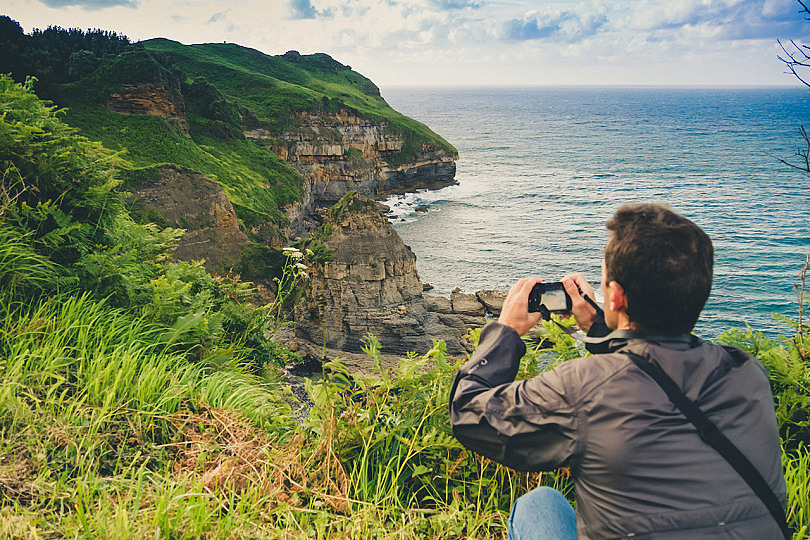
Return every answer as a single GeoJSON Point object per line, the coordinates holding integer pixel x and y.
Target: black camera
{"type": "Point", "coordinates": [551, 295]}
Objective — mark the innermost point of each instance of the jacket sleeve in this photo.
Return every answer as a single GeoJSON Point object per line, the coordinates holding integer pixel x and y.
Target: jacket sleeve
{"type": "Point", "coordinates": [526, 425]}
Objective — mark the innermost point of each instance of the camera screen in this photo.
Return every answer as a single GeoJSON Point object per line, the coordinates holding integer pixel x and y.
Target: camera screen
{"type": "Point", "coordinates": [554, 300]}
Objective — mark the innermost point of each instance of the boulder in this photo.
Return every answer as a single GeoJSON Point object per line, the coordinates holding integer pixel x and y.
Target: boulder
{"type": "Point", "coordinates": [466, 304]}
{"type": "Point", "coordinates": [438, 304]}
{"type": "Point", "coordinates": [492, 300]}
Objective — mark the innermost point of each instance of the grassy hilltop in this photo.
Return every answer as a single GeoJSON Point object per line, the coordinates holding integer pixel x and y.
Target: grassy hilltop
{"type": "Point", "coordinates": [274, 87]}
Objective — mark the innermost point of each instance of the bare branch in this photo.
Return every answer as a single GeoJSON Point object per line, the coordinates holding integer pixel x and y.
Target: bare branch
{"type": "Point", "coordinates": [804, 10]}
{"type": "Point", "coordinates": [803, 153]}
{"type": "Point", "coordinates": [795, 59]}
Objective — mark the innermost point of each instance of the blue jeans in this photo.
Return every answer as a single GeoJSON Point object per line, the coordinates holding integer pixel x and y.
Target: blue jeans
{"type": "Point", "coordinates": [543, 513]}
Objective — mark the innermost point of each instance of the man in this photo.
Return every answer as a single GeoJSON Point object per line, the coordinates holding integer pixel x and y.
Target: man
{"type": "Point", "coordinates": [640, 468]}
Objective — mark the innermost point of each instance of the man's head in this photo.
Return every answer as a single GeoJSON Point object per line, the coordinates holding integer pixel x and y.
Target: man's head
{"type": "Point", "coordinates": [663, 263]}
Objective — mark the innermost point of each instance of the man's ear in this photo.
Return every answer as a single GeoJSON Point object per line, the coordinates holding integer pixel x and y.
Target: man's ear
{"type": "Point", "coordinates": [616, 297]}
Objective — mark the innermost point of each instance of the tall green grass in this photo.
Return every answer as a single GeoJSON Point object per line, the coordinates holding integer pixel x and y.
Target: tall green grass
{"type": "Point", "coordinates": [91, 404]}
{"type": "Point", "coordinates": [797, 476]}
{"type": "Point", "coordinates": [123, 438]}
{"type": "Point", "coordinates": [391, 435]}
{"type": "Point", "coordinates": [23, 271]}
{"type": "Point", "coordinates": [72, 353]}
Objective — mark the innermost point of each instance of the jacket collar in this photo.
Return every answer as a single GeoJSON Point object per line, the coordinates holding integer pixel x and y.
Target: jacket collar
{"type": "Point", "coordinates": [619, 338]}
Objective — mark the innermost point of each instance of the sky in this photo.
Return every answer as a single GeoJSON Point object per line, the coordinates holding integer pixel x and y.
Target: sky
{"type": "Point", "coordinates": [474, 42]}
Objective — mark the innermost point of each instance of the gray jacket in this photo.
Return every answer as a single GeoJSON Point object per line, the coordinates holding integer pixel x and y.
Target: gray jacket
{"type": "Point", "coordinates": [640, 469]}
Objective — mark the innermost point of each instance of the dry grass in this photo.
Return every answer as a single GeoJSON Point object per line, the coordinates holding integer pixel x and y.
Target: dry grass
{"type": "Point", "coordinates": [231, 455]}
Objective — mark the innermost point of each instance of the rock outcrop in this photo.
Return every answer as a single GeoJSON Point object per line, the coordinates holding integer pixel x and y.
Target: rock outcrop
{"type": "Point", "coordinates": [492, 300]}
{"type": "Point", "coordinates": [338, 152]}
{"type": "Point", "coordinates": [371, 286]}
{"type": "Point", "coordinates": [153, 99]}
{"type": "Point", "coordinates": [188, 200]}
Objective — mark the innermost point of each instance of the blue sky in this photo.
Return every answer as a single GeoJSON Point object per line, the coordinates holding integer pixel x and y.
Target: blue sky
{"type": "Point", "coordinates": [474, 42]}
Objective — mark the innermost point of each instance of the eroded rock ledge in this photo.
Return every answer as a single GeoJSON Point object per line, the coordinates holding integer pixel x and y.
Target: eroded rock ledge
{"type": "Point", "coordinates": [338, 152]}
{"type": "Point", "coordinates": [371, 285]}
{"type": "Point", "coordinates": [153, 99]}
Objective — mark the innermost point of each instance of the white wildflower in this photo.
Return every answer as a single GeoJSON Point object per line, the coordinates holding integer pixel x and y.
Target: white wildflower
{"type": "Point", "coordinates": [289, 250]}
{"type": "Point", "coordinates": [296, 254]}
{"type": "Point", "coordinates": [301, 266]}
{"type": "Point", "coordinates": [310, 252]}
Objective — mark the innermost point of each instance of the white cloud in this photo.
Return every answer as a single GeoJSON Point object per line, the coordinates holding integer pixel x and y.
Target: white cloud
{"type": "Point", "coordinates": [566, 25]}
{"type": "Point", "coordinates": [472, 41]}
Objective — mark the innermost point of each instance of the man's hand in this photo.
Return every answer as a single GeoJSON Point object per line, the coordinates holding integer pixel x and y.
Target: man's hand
{"type": "Point", "coordinates": [583, 312]}
{"type": "Point", "coordinates": [515, 311]}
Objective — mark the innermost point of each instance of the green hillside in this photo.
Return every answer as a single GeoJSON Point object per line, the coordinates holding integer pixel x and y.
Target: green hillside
{"type": "Point", "coordinates": [273, 87]}
{"type": "Point", "coordinates": [225, 88]}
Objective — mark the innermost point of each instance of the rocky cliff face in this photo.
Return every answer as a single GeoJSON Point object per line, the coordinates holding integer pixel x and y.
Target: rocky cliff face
{"type": "Point", "coordinates": [341, 152]}
{"type": "Point", "coordinates": [371, 286]}
{"type": "Point", "coordinates": [188, 200]}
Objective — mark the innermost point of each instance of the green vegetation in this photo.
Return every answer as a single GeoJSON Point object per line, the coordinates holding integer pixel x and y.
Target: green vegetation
{"type": "Point", "coordinates": [55, 55]}
{"type": "Point", "coordinates": [350, 203]}
{"type": "Point", "coordinates": [139, 396]}
{"type": "Point", "coordinates": [207, 95]}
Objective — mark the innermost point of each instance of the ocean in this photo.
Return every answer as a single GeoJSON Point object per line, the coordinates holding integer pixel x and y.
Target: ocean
{"type": "Point", "coordinates": [540, 170]}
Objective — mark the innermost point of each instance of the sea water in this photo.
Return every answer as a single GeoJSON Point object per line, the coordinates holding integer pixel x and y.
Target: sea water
{"type": "Point", "coordinates": [540, 170]}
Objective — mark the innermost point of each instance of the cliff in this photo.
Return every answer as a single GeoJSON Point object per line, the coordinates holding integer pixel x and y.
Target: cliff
{"type": "Point", "coordinates": [284, 135]}
{"type": "Point", "coordinates": [339, 152]}
{"type": "Point", "coordinates": [371, 285]}
{"type": "Point", "coordinates": [248, 152]}
{"type": "Point", "coordinates": [183, 199]}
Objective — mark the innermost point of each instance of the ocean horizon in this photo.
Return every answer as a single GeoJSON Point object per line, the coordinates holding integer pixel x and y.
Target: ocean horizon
{"type": "Point", "coordinates": [541, 169]}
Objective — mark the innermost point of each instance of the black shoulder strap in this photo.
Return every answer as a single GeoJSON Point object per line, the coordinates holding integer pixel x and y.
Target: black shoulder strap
{"type": "Point", "coordinates": [714, 437]}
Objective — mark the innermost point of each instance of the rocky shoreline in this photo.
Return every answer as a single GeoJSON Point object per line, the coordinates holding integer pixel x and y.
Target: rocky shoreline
{"type": "Point", "coordinates": [365, 280]}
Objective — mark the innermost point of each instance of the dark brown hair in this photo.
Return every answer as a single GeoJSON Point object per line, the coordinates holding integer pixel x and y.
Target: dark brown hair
{"type": "Point", "coordinates": [664, 263]}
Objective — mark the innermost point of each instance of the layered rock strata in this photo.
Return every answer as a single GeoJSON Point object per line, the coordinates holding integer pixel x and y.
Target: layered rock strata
{"type": "Point", "coordinates": [153, 99]}
{"type": "Point", "coordinates": [338, 152]}
{"type": "Point", "coordinates": [371, 285]}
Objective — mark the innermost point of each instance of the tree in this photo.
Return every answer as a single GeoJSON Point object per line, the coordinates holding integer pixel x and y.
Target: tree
{"type": "Point", "coordinates": [81, 63]}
